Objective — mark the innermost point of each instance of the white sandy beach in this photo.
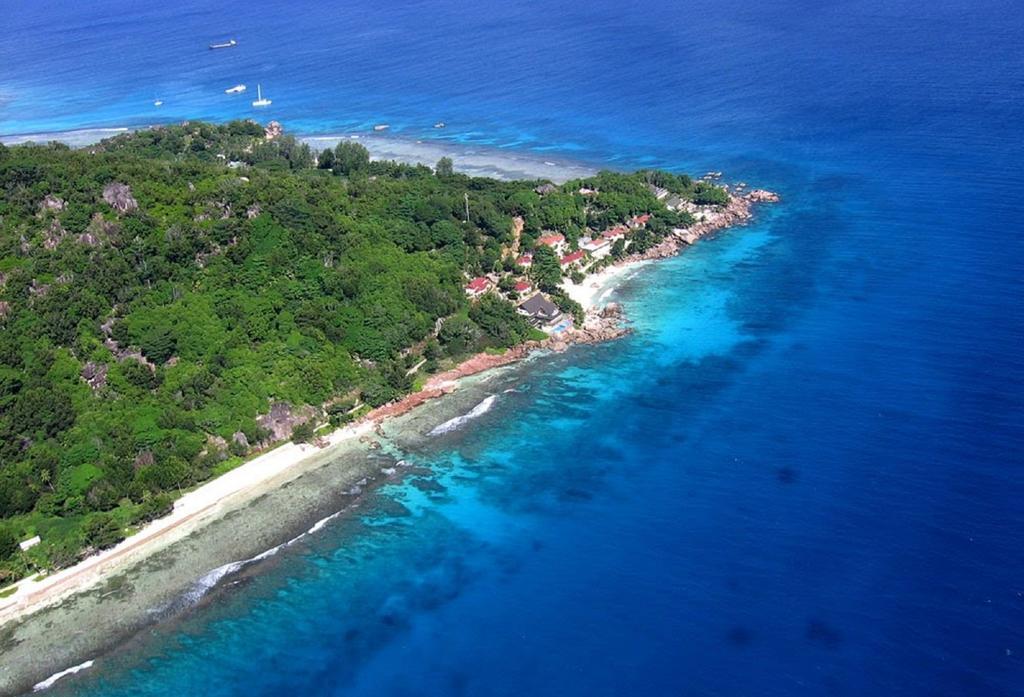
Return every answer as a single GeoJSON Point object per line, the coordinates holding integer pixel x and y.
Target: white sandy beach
{"type": "Point", "coordinates": [227, 492]}
{"type": "Point", "coordinates": [595, 289]}
{"type": "Point", "coordinates": [191, 511]}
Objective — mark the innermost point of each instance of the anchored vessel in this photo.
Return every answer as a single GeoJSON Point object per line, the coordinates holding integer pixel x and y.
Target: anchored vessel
{"type": "Point", "coordinates": [226, 44]}
{"type": "Point", "coordinates": [260, 101]}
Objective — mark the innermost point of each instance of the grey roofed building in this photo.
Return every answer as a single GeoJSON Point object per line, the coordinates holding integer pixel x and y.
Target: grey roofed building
{"type": "Point", "coordinates": [673, 202]}
{"type": "Point", "coordinates": [548, 188]}
{"type": "Point", "coordinates": [540, 309]}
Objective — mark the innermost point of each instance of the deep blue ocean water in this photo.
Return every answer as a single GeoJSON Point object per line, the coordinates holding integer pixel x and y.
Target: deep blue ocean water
{"type": "Point", "coordinates": [802, 474]}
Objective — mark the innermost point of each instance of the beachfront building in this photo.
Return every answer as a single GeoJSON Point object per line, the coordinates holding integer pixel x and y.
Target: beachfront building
{"type": "Point", "coordinates": [478, 286]}
{"type": "Point", "coordinates": [540, 311]}
{"type": "Point", "coordinates": [555, 240]}
{"type": "Point", "coordinates": [572, 259]}
{"type": "Point", "coordinates": [597, 248]}
{"type": "Point", "coordinates": [616, 233]}
{"type": "Point", "coordinates": [545, 189]}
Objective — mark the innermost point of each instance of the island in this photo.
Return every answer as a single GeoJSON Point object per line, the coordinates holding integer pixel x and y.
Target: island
{"type": "Point", "coordinates": [177, 302]}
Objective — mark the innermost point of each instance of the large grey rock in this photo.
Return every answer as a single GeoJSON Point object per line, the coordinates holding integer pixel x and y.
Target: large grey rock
{"type": "Point", "coordinates": [119, 197]}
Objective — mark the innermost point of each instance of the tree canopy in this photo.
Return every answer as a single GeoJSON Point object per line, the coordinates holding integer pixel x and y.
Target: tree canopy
{"type": "Point", "coordinates": [161, 291]}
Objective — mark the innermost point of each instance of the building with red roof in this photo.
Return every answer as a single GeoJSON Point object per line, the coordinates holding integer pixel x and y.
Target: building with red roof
{"type": "Point", "coordinates": [599, 247]}
{"type": "Point", "coordinates": [523, 287]}
{"type": "Point", "coordinates": [571, 258]}
{"type": "Point", "coordinates": [555, 240]}
{"type": "Point", "coordinates": [639, 220]}
{"type": "Point", "coordinates": [477, 287]}
{"type": "Point", "coordinates": [525, 260]}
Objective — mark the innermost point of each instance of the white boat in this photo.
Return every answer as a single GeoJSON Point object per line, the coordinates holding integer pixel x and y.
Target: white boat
{"type": "Point", "coordinates": [381, 127]}
{"type": "Point", "coordinates": [226, 44]}
{"type": "Point", "coordinates": [260, 101]}
{"type": "Point", "coordinates": [439, 124]}
{"type": "Point", "coordinates": [237, 89]}
{"type": "Point", "coordinates": [158, 102]}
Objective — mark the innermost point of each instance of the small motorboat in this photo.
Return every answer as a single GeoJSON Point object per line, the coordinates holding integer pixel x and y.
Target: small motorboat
{"type": "Point", "coordinates": [381, 127]}
{"type": "Point", "coordinates": [158, 102]}
{"type": "Point", "coordinates": [226, 44]}
{"type": "Point", "coordinates": [440, 124]}
{"type": "Point", "coordinates": [237, 89]}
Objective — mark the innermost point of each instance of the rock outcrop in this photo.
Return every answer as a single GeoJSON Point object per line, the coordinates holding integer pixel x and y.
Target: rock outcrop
{"type": "Point", "coordinates": [94, 374]}
{"type": "Point", "coordinates": [763, 196]}
{"type": "Point", "coordinates": [52, 203]}
{"type": "Point", "coordinates": [282, 419]}
{"type": "Point", "coordinates": [53, 235]}
{"type": "Point", "coordinates": [119, 197]}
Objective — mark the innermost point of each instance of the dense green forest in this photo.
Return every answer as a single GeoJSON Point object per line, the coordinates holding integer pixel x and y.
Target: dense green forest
{"type": "Point", "coordinates": [162, 290]}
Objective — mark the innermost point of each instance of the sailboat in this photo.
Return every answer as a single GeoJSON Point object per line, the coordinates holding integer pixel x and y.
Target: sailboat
{"type": "Point", "coordinates": [260, 101]}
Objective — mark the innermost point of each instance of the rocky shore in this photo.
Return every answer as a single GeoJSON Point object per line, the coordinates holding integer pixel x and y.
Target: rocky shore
{"type": "Point", "coordinates": [262, 477]}
{"type": "Point", "coordinates": [737, 212]}
{"type": "Point", "coordinates": [600, 323]}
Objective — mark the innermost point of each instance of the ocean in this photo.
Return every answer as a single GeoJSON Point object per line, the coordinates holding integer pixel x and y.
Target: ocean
{"type": "Point", "coordinates": [801, 474]}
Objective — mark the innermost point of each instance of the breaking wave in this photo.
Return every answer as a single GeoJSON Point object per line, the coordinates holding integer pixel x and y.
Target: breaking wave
{"type": "Point", "coordinates": [201, 587]}
{"type": "Point", "coordinates": [452, 424]}
{"type": "Point", "coordinates": [48, 683]}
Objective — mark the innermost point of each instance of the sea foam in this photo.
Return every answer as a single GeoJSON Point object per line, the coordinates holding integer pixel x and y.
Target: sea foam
{"type": "Point", "coordinates": [452, 424]}
{"type": "Point", "coordinates": [48, 683]}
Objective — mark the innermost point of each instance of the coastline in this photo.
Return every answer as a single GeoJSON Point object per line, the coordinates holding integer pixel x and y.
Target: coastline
{"type": "Point", "coordinates": [213, 501]}
{"type": "Point", "coordinates": [469, 158]}
{"type": "Point", "coordinates": [233, 488]}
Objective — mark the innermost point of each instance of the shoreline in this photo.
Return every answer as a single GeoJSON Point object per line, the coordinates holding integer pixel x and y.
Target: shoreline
{"type": "Point", "coordinates": [470, 158]}
{"type": "Point", "coordinates": [209, 505]}
{"type": "Point", "coordinates": [234, 488]}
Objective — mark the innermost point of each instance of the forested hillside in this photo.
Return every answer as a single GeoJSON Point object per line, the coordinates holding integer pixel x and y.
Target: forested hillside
{"type": "Point", "coordinates": [161, 292]}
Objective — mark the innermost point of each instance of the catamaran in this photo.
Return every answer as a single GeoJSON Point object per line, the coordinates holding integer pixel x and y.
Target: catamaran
{"type": "Point", "coordinates": [260, 101]}
{"type": "Point", "coordinates": [237, 89]}
{"type": "Point", "coordinates": [226, 44]}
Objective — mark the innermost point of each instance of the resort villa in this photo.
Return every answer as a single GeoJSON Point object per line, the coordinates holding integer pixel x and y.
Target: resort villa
{"type": "Point", "coordinates": [555, 240]}
{"type": "Point", "coordinates": [523, 287]}
{"type": "Point", "coordinates": [639, 221]}
{"type": "Point", "coordinates": [571, 259]}
{"type": "Point", "coordinates": [477, 287]}
{"type": "Point", "coordinates": [541, 311]}
{"type": "Point", "coordinates": [616, 233]}
{"type": "Point", "coordinates": [597, 248]}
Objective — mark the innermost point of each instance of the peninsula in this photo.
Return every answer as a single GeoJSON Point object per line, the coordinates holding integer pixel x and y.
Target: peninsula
{"type": "Point", "coordinates": [179, 301]}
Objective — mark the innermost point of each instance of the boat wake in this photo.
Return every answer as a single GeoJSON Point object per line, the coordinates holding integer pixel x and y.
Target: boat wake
{"type": "Point", "coordinates": [48, 683]}
{"type": "Point", "coordinates": [452, 424]}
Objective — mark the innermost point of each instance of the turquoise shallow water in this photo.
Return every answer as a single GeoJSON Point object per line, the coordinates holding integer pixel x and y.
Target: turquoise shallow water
{"type": "Point", "coordinates": [800, 475]}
